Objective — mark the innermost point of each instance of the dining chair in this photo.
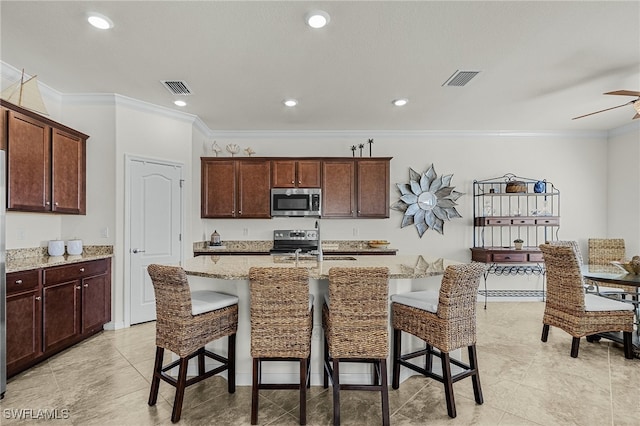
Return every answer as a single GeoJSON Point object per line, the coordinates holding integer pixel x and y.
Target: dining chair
{"type": "Point", "coordinates": [281, 316]}
{"type": "Point", "coordinates": [355, 319]}
{"type": "Point", "coordinates": [186, 322]}
{"type": "Point", "coordinates": [445, 320]}
{"type": "Point", "coordinates": [589, 285]}
{"type": "Point", "coordinates": [580, 314]}
{"type": "Point", "coordinates": [603, 251]}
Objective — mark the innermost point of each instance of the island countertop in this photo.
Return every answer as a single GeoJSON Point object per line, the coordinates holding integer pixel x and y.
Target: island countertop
{"type": "Point", "coordinates": [237, 267]}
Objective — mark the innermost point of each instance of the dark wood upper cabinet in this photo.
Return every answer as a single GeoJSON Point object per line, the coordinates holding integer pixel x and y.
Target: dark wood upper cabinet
{"type": "Point", "coordinates": [235, 188]}
{"type": "Point", "coordinates": [372, 187]}
{"type": "Point", "coordinates": [338, 188]}
{"type": "Point", "coordinates": [295, 174]}
{"type": "Point", "coordinates": [46, 164]}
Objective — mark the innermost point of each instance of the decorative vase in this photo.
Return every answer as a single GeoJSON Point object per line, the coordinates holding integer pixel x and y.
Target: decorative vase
{"type": "Point", "coordinates": [518, 246]}
{"type": "Point", "coordinates": [539, 187]}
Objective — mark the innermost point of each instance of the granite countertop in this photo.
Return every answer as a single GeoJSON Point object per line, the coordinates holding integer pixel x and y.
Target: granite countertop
{"type": "Point", "coordinates": [261, 246]}
{"type": "Point", "coordinates": [237, 267]}
{"type": "Point", "coordinates": [35, 258]}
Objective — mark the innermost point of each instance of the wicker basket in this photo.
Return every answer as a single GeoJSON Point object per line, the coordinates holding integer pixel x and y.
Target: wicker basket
{"type": "Point", "coordinates": [516, 186]}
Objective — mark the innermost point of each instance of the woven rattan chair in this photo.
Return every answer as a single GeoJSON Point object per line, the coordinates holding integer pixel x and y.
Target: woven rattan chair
{"type": "Point", "coordinates": [355, 319]}
{"type": "Point", "coordinates": [445, 320]}
{"type": "Point", "coordinates": [185, 323]}
{"type": "Point", "coordinates": [281, 325]}
{"type": "Point", "coordinates": [603, 251]}
{"type": "Point", "coordinates": [589, 286]}
{"type": "Point", "coordinates": [578, 313]}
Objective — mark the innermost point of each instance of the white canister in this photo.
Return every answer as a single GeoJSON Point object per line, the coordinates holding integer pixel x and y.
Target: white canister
{"type": "Point", "coordinates": [56, 248]}
{"type": "Point", "coordinates": [74, 247]}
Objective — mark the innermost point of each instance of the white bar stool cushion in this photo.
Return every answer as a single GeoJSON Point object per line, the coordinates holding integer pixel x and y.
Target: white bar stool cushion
{"type": "Point", "coordinates": [205, 301]}
{"type": "Point", "coordinates": [593, 303]}
{"type": "Point", "coordinates": [427, 300]}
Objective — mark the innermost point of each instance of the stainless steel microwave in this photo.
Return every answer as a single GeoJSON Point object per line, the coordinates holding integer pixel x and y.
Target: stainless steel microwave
{"type": "Point", "coordinates": [295, 202]}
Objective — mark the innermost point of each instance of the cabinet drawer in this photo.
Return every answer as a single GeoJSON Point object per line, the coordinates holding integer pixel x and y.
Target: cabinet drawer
{"type": "Point", "coordinates": [501, 221]}
{"type": "Point", "coordinates": [524, 221]}
{"type": "Point", "coordinates": [74, 271]}
{"type": "Point", "coordinates": [535, 257]}
{"type": "Point", "coordinates": [509, 257]}
{"type": "Point", "coordinates": [21, 281]}
{"type": "Point", "coordinates": [551, 221]}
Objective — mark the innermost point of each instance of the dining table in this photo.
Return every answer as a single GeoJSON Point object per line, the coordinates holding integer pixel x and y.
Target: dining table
{"type": "Point", "coordinates": [612, 274]}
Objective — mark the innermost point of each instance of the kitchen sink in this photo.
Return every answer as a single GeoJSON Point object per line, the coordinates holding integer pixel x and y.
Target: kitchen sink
{"type": "Point", "coordinates": [339, 258]}
{"type": "Point", "coordinates": [306, 259]}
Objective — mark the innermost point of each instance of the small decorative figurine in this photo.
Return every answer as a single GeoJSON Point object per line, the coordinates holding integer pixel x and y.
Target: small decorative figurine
{"type": "Point", "coordinates": [361, 146]}
{"type": "Point", "coordinates": [370, 143]}
{"type": "Point", "coordinates": [353, 150]}
{"type": "Point", "coordinates": [215, 148]}
{"type": "Point", "coordinates": [233, 149]}
{"type": "Point", "coordinates": [249, 151]}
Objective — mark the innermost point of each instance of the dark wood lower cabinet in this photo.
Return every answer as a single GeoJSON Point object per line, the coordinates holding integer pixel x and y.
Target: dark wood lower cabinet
{"type": "Point", "coordinates": [50, 309]}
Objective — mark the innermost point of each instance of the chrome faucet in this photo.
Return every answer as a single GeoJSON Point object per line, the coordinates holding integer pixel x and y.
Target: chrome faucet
{"type": "Point", "coordinates": [319, 253]}
{"type": "Point", "coordinates": [297, 253]}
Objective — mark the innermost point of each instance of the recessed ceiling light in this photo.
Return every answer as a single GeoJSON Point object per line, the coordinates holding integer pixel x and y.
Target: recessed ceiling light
{"type": "Point", "coordinates": [290, 102]}
{"type": "Point", "coordinates": [400, 102]}
{"type": "Point", "coordinates": [317, 18]}
{"type": "Point", "coordinates": [180, 103]}
{"type": "Point", "coordinates": [100, 21]}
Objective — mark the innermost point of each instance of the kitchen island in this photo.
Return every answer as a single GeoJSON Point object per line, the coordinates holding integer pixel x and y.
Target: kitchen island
{"type": "Point", "coordinates": [230, 274]}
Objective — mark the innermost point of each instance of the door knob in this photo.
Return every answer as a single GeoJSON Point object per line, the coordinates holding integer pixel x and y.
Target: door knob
{"type": "Point", "coordinates": [137, 251]}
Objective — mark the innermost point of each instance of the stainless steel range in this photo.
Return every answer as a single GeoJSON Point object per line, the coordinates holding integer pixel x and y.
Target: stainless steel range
{"type": "Point", "coordinates": [287, 241]}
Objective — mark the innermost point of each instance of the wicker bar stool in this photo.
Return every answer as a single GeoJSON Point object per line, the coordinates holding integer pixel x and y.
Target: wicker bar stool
{"type": "Point", "coordinates": [445, 320]}
{"type": "Point", "coordinates": [578, 313]}
{"type": "Point", "coordinates": [186, 322]}
{"type": "Point", "coordinates": [355, 319]}
{"type": "Point", "coordinates": [281, 325]}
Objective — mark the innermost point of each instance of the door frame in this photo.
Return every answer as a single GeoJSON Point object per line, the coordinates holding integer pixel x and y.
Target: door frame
{"type": "Point", "coordinates": [128, 161]}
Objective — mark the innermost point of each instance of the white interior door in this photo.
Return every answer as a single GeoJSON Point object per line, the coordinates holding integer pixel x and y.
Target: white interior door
{"type": "Point", "coordinates": [155, 229]}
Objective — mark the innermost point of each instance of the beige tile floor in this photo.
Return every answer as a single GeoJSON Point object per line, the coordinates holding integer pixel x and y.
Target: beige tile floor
{"type": "Point", "coordinates": [105, 381]}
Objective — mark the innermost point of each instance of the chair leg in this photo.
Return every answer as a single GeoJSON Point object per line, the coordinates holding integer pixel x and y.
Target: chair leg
{"type": "Point", "coordinates": [376, 374]}
{"type": "Point", "coordinates": [545, 332]}
{"type": "Point", "coordinates": [180, 387]}
{"type": "Point", "coordinates": [155, 381]}
{"type": "Point", "coordinates": [448, 385]}
{"type": "Point", "coordinates": [385, 392]}
{"type": "Point", "coordinates": [575, 346]}
{"type": "Point", "coordinates": [201, 361]}
{"type": "Point", "coordinates": [309, 372]}
{"type": "Point", "coordinates": [628, 346]}
{"type": "Point", "coordinates": [231, 366]}
{"type": "Point", "coordinates": [325, 373]}
{"type": "Point", "coordinates": [254, 391]}
{"type": "Point", "coordinates": [336, 392]}
{"type": "Point", "coordinates": [428, 360]}
{"type": "Point", "coordinates": [303, 391]}
{"type": "Point", "coordinates": [475, 378]}
{"type": "Point", "coordinates": [397, 352]}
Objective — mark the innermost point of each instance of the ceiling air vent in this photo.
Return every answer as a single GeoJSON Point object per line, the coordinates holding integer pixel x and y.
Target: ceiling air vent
{"type": "Point", "coordinates": [460, 78]}
{"type": "Point", "coordinates": [176, 87]}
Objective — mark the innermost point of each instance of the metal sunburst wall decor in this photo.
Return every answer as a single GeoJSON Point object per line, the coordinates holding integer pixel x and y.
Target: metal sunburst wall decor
{"type": "Point", "coordinates": [427, 201]}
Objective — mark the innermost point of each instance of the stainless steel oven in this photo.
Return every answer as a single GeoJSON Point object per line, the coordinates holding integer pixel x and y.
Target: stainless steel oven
{"type": "Point", "coordinates": [296, 202]}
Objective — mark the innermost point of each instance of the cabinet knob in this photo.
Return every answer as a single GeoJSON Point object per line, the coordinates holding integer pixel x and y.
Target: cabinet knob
{"type": "Point", "coordinates": [55, 204]}
{"type": "Point", "coordinates": [239, 211]}
{"type": "Point", "coordinates": [86, 285]}
{"type": "Point", "coordinates": [293, 181]}
{"type": "Point", "coordinates": [47, 203]}
{"type": "Point", "coordinates": [18, 282]}
{"type": "Point", "coordinates": [81, 269]}
{"type": "Point", "coordinates": [299, 182]}
{"type": "Point", "coordinates": [78, 287]}
{"type": "Point", "coordinates": [38, 297]}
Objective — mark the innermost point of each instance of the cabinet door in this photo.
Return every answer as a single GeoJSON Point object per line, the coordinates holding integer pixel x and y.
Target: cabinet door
{"type": "Point", "coordinates": [218, 198]}
{"type": "Point", "coordinates": [373, 188]}
{"type": "Point", "coordinates": [24, 329]}
{"type": "Point", "coordinates": [28, 164]}
{"type": "Point", "coordinates": [283, 174]}
{"type": "Point", "coordinates": [68, 171]}
{"type": "Point", "coordinates": [338, 188]}
{"type": "Point", "coordinates": [254, 189]}
{"type": "Point", "coordinates": [61, 314]}
{"type": "Point", "coordinates": [96, 302]}
{"type": "Point", "coordinates": [309, 174]}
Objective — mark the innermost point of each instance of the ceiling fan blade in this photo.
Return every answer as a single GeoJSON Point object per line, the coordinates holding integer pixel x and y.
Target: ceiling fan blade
{"type": "Point", "coordinates": [598, 112]}
{"type": "Point", "coordinates": [623, 93]}
{"type": "Point", "coordinates": [636, 116]}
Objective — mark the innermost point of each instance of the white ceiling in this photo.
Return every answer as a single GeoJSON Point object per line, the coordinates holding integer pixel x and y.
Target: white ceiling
{"type": "Point", "coordinates": [541, 63]}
